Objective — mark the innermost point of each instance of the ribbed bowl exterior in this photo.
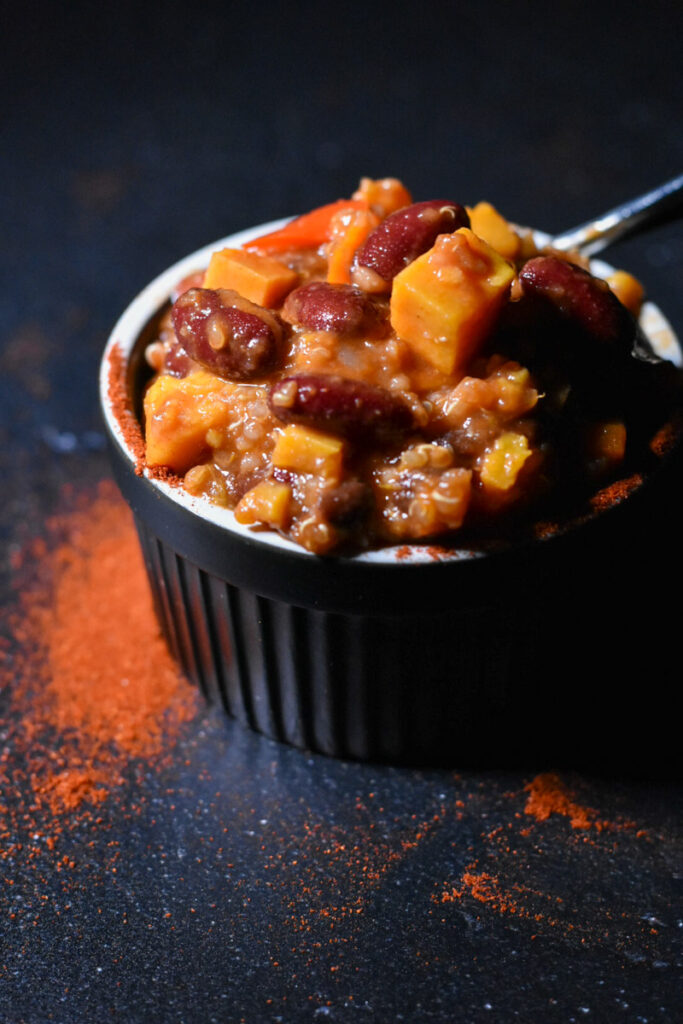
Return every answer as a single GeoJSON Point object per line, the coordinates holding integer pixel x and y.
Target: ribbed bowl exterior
{"type": "Point", "coordinates": [413, 689]}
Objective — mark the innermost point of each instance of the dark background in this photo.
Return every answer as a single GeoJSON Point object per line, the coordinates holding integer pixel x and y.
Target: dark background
{"type": "Point", "coordinates": [133, 134]}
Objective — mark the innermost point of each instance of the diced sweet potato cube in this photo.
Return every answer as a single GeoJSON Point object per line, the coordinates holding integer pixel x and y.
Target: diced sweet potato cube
{"type": "Point", "coordinates": [502, 463]}
{"type": "Point", "coordinates": [207, 480]}
{"type": "Point", "coordinates": [268, 503]}
{"type": "Point", "coordinates": [490, 225]}
{"type": "Point", "coordinates": [178, 414]}
{"type": "Point", "coordinates": [444, 303]}
{"type": "Point", "coordinates": [627, 289]}
{"type": "Point", "coordinates": [608, 441]}
{"type": "Point", "coordinates": [304, 450]}
{"type": "Point", "coordinates": [515, 395]}
{"type": "Point", "coordinates": [383, 195]}
{"type": "Point", "coordinates": [261, 279]}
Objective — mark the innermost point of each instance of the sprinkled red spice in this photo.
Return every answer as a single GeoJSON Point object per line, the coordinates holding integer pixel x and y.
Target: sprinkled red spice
{"type": "Point", "coordinates": [548, 795]}
{"type": "Point", "coordinates": [616, 492]}
{"type": "Point", "coordinates": [501, 879]}
{"type": "Point", "coordinates": [92, 684]}
{"type": "Point", "coordinates": [489, 889]}
{"type": "Point", "coordinates": [666, 437]}
{"type": "Point", "coordinates": [117, 392]}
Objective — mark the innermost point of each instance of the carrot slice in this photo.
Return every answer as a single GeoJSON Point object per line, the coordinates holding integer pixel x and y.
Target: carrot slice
{"type": "Point", "coordinates": [305, 232]}
{"type": "Point", "coordinates": [349, 230]}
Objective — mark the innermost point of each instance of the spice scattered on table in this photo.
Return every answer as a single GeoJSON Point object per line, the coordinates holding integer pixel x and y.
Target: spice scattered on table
{"type": "Point", "coordinates": [520, 869]}
{"type": "Point", "coordinates": [92, 687]}
{"type": "Point", "coordinates": [549, 795]}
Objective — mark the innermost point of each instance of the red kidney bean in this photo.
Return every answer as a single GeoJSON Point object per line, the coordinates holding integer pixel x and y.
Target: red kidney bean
{"type": "Point", "coordinates": [227, 334]}
{"type": "Point", "coordinates": [584, 300]}
{"type": "Point", "coordinates": [177, 362]}
{"type": "Point", "coordinates": [406, 234]}
{"type": "Point", "coordinates": [588, 344]}
{"type": "Point", "coordinates": [349, 407]}
{"type": "Point", "coordinates": [321, 306]}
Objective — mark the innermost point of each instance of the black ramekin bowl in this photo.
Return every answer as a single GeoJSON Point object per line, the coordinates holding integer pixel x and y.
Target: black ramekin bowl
{"type": "Point", "coordinates": [422, 655]}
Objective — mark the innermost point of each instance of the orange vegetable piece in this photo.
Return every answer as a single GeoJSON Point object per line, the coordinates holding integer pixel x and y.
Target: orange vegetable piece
{"type": "Point", "coordinates": [515, 395]}
{"type": "Point", "coordinates": [490, 225]}
{"type": "Point", "coordinates": [444, 303]}
{"type": "Point", "coordinates": [178, 414]}
{"type": "Point", "coordinates": [306, 232]}
{"type": "Point", "coordinates": [206, 480]}
{"type": "Point", "coordinates": [261, 279]}
{"type": "Point", "coordinates": [268, 503]}
{"type": "Point", "coordinates": [350, 228]}
{"type": "Point", "coordinates": [501, 465]}
{"type": "Point", "coordinates": [383, 195]}
{"type": "Point", "coordinates": [627, 289]}
{"type": "Point", "coordinates": [304, 450]}
{"type": "Point", "coordinates": [608, 441]}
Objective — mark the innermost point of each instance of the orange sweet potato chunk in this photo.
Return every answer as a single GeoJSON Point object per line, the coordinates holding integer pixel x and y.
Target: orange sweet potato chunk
{"type": "Point", "coordinates": [305, 450]}
{"type": "Point", "coordinates": [268, 502]}
{"type": "Point", "coordinates": [627, 289]}
{"type": "Point", "coordinates": [444, 303]}
{"type": "Point", "coordinates": [383, 195]}
{"type": "Point", "coordinates": [502, 464]}
{"type": "Point", "coordinates": [178, 414]}
{"type": "Point", "coordinates": [261, 279]}
{"type": "Point", "coordinates": [490, 225]}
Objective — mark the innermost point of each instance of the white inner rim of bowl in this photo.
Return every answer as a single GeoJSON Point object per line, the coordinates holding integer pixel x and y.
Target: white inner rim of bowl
{"type": "Point", "coordinates": [128, 328]}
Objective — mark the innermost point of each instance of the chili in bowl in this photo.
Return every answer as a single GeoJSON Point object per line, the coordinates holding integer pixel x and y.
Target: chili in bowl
{"type": "Point", "coordinates": [369, 449]}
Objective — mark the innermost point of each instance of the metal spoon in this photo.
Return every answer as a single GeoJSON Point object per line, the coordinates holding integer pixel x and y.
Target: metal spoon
{"type": "Point", "coordinates": [662, 204]}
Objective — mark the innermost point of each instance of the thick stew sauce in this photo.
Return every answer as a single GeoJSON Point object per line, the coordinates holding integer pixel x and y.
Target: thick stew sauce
{"type": "Point", "coordinates": [381, 371]}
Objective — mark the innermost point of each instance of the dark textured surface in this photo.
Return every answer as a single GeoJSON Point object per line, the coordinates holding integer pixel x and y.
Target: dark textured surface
{"type": "Point", "coordinates": [270, 886]}
{"type": "Point", "coordinates": [253, 882]}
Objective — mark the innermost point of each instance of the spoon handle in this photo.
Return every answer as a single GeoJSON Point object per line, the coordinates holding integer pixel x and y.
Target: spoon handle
{"type": "Point", "coordinates": [661, 204]}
